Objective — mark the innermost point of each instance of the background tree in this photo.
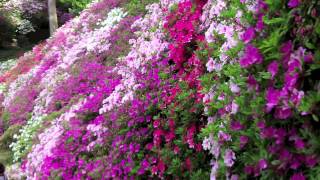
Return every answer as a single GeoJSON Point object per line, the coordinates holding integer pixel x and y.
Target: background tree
{"type": "Point", "coordinates": [53, 18]}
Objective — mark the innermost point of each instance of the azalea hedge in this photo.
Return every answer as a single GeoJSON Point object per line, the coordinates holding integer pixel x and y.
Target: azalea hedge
{"type": "Point", "coordinates": [170, 89]}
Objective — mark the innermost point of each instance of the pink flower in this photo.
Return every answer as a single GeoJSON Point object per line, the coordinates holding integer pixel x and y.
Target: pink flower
{"type": "Point", "coordinates": [229, 158]}
{"type": "Point", "coordinates": [234, 87]}
{"type": "Point", "coordinates": [156, 123]}
{"type": "Point", "coordinates": [234, 108]}
{"type": "Point", "coordinates": [234, 177]}
{"type": "Point", "coordinates": [224, 136]}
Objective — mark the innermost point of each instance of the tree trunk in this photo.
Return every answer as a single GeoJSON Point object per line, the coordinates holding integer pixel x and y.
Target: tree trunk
{"type": "Point", "coordinates": [53, 19]}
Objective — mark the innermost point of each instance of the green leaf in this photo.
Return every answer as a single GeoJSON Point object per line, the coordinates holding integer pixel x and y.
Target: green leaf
{"type": "Point", "coordinates": [273, 20]}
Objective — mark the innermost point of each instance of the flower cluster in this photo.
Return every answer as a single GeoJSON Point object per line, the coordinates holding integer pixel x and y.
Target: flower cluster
{"type": "Point", "coordinates": [29, 7]}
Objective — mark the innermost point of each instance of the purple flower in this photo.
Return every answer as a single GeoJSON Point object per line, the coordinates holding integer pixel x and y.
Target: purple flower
{"type": "Point", "coordinates": [229, 157]}
{"type": "Point", "coordinates": [234, 177]}
{"type": "Point", "coordinates": [248, 169]}
{"type": "Point", "coordinates": [267, 132]}
{"type": "Point", "coordinates": [299, 144]}
{"type": "Point", "coordinates": [298, 176]}
{"type": "Point", "coordinates": [286, 48]}
{"type": "Point", "coordinates": [308, 58]}
{"type": "Point", "coordinates": [273, 68]}
{"type": "Point", "coordinates": [261, 124]}
{"type": "Point", "coordinates": [252, 83]}
{"type": "Point", "coordinates": [236, 126]}
{"type": "Point", "coordinates": [224, 136]}
{"type": "Point", "coordinates": [251, 56]}
{"type": "Point", "coordinates": [243, 141]}
{"type": "Point", "coordinates": [293, 3]}
{"type": "Point", "coordinates": [311, 161]}
{"type": "Point", "coordinates": [248, 35]}
{"type": "Point", "coordinates": [214, 169]}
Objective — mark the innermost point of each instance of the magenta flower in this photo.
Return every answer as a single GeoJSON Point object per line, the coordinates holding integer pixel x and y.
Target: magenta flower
{"type": "Point", "coordinates": [236, 126]}
{"type": "Point", "coordinates": [272, 97]}
{"type": "Point", "coordinates": [309, 58]}
{"type": "Point", "coordinates": [299, 144]}
{"type": "Point", "coordinates": [273, 68]}
{"type": "Point", "coordinates": [248, 169]}
{"type": "Point", "coordinates": [243, 141]}
{"type": "Point", "coordinates": [293, 3]}
{"type": "Point", "coordinates": [260, 24]}
{"type": "Point", "coordinates": [263, 164]}
{"type": "Point", "coordinates": [286, 48]}
{"type": "Point", "coordinates": [248, 35]}
{"type": "Point", "coordinates": [252, 83]}
{"type": "Point", "coordinates": [251, 56]}
{"type": "Point", "coordinates": [261, 124]}
{"type": "Point", "coordinates": [298, 176]}
{"type": "Point", "coordinates": [283, 112]}
{"type": "Point", "coordinates": [311, 161]}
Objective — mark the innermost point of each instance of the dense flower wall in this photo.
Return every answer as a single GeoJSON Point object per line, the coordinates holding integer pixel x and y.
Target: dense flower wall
{"type": "Point", "coordinates": [184, 90]}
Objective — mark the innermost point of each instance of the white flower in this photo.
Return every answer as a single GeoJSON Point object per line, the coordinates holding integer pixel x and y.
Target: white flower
{"type": "Point", "coordinates": [206, 144]}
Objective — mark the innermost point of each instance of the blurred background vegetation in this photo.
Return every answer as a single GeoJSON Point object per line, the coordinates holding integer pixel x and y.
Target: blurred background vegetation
{"type": "Point", "coordinates": [21, 29]}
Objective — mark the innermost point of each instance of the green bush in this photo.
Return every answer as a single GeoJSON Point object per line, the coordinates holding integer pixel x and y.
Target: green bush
{"type": "Point", "coordinates": [76, 5]}
{"type": "Point", "coordinates": [7, 138]}
{"type": "Point", "coordinates": [7, 30]}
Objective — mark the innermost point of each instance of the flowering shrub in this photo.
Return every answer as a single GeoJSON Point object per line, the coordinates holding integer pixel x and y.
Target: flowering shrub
{"type": "Point", "coordinates": [29, 7]}
{"type": "Point", "coordinates": [186, 90]}
{"type": "Point", "coordinates": [25, 27]}
{"type": "Point", "coordinates": [7, 65]}
{"type": "Point", "coordinates": [255, 104]}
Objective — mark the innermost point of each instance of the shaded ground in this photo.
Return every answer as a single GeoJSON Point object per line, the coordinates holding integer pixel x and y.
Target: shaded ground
{"type": "Point", "coordinates": [12, 53]}
{"type": "Point", "coordinates": [29, 41]}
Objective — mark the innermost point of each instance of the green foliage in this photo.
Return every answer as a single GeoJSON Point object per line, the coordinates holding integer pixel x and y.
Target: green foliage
{"type": "Point", "coordinates": [5, 118]}
{"type": "Point", "coordinates": [76, 5]}
{"type": "Point", "coordinates": [7, 30]}
{"type": "Point", "coordinates": [7, 138]}
{"type": "Point", "coordinates": [137, 7]}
